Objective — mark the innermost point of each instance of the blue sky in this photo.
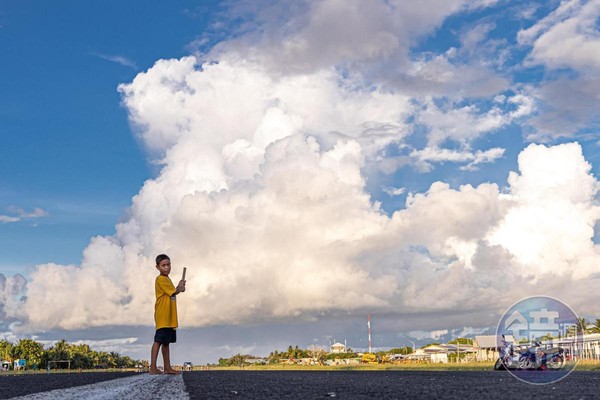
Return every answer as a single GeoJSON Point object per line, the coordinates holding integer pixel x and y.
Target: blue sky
{"type": "Point", "coordinates": [327, 160]}
{"type": "Point", "coordinates": [71, 150]}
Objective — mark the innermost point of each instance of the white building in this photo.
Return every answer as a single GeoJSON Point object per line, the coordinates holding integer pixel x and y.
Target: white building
{"type": "Point", "coordinates": [337, 348]}
{"type": "Point", "coordinates": [486, 346]}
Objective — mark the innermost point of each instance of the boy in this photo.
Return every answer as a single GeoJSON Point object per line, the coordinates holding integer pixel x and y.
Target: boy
{"type": "Point", "coordinates": [165, 314]}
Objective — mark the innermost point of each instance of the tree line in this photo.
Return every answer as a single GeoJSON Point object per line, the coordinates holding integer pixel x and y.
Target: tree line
{"type": "Point", "coordinates": [317, 353]}
{"type": "Point", "coordinates": [80, 355]}
{"type": "Point", "coordinates": [292, 353]}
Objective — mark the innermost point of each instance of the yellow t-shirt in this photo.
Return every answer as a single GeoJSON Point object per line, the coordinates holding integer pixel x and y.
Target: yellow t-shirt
{"type": "Point", "coordinates": [165, 309]}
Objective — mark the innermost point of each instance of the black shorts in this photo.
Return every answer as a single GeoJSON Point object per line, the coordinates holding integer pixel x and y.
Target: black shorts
{"type": "Point", "coordinates": [165, 335]}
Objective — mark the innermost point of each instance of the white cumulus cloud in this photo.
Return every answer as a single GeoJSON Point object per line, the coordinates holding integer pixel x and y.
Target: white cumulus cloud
{"type": "Point", "coordinates": [262, 190]}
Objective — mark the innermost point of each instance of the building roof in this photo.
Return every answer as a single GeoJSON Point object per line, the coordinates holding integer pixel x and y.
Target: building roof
{"type": "Point", "coordinates": [432, 349]}
{"type": "Point", "coordinates": [453, 348]}
{"type": "Point", "coordinates": [491, 341]}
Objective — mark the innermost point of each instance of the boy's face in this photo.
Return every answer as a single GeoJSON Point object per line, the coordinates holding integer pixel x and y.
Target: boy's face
{"type": "Point", "coordinates": [164, 267]}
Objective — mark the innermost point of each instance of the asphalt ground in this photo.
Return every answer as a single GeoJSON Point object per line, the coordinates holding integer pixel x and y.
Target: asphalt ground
{"type": "Point", "coordinates": [385, 385]}
{"type": "Point", "coordinates": [300, 385]}
{"type": "Point", "coordinates": [24, 384]}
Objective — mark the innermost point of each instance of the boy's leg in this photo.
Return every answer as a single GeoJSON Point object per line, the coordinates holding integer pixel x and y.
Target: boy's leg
{"type": "Point", "coordinates": [153, 356]}
{"type": "Point", "coordinates": [167, 360]}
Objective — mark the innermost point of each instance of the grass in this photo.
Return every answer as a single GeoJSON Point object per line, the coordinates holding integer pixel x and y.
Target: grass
{"type": "Point", "coordinates": [582, 365]}
{"type": "Point", "coordinates": [588, 365]}
{"type": "Point", "coordinates": [475, 366]}
{"type": "Point", "coordinates": [65, 371]}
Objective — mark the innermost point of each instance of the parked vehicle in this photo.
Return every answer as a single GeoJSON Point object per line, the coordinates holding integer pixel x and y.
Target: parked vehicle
{"type": "Point", "coordinates": [369, 358]}
{"type": "Point", "coordinates": [533, 357]}
{"type": "Point", "coordinates": [508, 359]}
{"type": "Point", "coordinates": [537, 358]}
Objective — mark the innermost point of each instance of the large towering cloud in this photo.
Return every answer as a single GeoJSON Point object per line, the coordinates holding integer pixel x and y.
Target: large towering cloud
{"type": "Point", "coordinates": [550, 224]}
{"type": "Point", "coordinates": [262, 189]}
{"type": "Point", "coordinates": [11, 290]}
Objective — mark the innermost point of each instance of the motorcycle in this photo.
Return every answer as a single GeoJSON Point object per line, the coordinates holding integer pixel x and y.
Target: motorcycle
{"type": "Point", "coordinates": [508, 358]}
{"type": "Point", "coordinates": [531, 358]}
{"type": "Point", "coordinates": [537, 358]}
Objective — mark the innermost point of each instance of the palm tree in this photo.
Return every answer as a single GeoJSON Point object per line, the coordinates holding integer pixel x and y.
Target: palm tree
{"type": "Point", "coordinates": [6, 350]}
{"type": "Point", "coordinates": [30, 350]}
{"type": "Point", "coordinates": [113, 359]}
{"type": "Point", "coordinates": [596, 328]}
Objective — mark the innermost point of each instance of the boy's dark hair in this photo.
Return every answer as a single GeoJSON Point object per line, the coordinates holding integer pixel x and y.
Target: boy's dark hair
{"type": "Point", "coordinates": [162, 257]}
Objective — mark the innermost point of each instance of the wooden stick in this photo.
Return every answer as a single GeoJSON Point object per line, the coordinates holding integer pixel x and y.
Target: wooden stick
{"type": "Point", "coordinates": [183, 277]}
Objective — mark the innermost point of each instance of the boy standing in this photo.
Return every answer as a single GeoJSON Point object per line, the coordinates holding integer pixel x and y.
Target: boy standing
{"type": "Point", "coordinates": [165, 314]}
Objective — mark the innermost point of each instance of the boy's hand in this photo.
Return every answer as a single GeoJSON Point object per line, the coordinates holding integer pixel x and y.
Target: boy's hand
{"type": "Point", "coordinates": [181, 286]}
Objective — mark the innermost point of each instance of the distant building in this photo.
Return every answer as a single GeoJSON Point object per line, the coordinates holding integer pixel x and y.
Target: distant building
{"type": "Point", "coordinates": [337, 348]}
{"type": "Point", "coordinates": [19, 364]}
{"type": "Point", "coordinates": [486, 346]}
{"type": "Point", "coordinates": [344, 361]}
{"type": "Point", "coordinates": [436, 353]}
{"type": "Point", "coordinates": [256, 360]}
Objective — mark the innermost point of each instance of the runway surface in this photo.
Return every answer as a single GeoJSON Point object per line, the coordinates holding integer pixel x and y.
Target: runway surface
{"type": "Point", "coordinates": [384, 385]}
{"type": "Point", "coordinates": [20, 385]}
{"type": "Point", "coordinates": [298, 385]}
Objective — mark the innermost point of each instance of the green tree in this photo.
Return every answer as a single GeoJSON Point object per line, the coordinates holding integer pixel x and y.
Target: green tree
{"type": "Point", "coordinates": [81, 356]}
{"type": "Point", "coordinates": [80, 361]}
{"type": "Point", "coordinates": [223, 362]}
{"type": "Point", "coordinates": [294, 352]}
{"type": "Point", "coordinates": [126, 362]}
{"type": "Point", "coordinates": [401, 350]}
{"type": "Point", "coordinates": [95, 356]}
{"type": "Point", "coordinates": [461, 341]}
{"type": "Point", "coordinates": [237, 360]}
{"type": "Point", "coordinates": [340, 356]}
{"type": "Point", "coordinates": [596, 328]}
{"type": "Point", "coordinates": [113, 358]}
{"type": "Point", "coordinates": [274, 357]}
{"type": "Point", "coordinates": [104, 360]}
{"type": "Point", "coordinates": [29, 350]}
{"type": "Point", "coordinates": [6, 350]}
{"type": "Point", "coordinates": [548, 336]}
{"type": "Point", "coordinates": [61, 351]}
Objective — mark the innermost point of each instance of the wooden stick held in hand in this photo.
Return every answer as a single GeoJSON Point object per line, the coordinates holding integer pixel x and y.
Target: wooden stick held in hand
{"type": "Point", "coordinates": [184, 270]}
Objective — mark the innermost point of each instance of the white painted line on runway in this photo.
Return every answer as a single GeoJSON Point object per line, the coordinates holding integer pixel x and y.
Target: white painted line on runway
{"type": "Point", "coordinates": [143, 386]}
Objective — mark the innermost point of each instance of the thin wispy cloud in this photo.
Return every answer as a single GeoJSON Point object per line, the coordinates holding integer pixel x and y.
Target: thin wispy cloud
{"type": "Point", "coordinates": [16, 214]}
{"type": "Point", "coordinates": [124, 61]}
{"type": "Point", "coordinates": [391, 191]}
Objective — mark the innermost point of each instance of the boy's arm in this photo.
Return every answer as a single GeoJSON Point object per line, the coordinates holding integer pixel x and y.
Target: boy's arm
{"type": "Point", "coordinates": [165, 285]}
{"type": "Point", "coordinates": [180, 288]}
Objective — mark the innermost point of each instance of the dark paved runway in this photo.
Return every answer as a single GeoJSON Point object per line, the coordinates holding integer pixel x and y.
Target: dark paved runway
{"type": "Point", "coordinates": [21, 385]}
{"type": "Point", "coordinates": [312, 385]}
{"type": "Point", "coordinates": [384, 385]}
